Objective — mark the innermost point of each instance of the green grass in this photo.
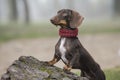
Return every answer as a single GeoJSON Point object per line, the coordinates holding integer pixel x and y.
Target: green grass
{"type": "Point", "coordinates": [8, 32]}
{"type": "Point", "coordinates": [100, 28]}
{"type": "Point", "coordinates": [16, 31]}
{"type": "Point", "coordinates": [113, 74]}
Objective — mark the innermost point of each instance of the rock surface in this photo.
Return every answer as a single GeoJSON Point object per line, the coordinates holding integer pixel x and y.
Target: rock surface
{"type": "Point", "coordinates": [29, 68]}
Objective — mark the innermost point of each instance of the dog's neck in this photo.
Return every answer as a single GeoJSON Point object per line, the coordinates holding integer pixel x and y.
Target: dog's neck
{"type": "Point", "coordinates": [66, 32]}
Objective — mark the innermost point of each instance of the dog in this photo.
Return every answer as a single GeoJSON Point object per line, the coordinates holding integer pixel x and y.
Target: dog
{"type": "Point", "coordinates": [70, 50]}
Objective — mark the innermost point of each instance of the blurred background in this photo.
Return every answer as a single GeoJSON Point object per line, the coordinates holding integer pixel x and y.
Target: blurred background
{"type": "Point", "coordinates": [25, 30]}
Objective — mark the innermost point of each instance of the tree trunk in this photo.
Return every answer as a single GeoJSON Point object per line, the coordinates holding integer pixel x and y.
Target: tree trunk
{"type": "Point", "coordinates": [27, 18]}
{"type": "Point", "coordinates": [14, 12]}
{"type": "Point", "coordinates": [29, 68]}
{"type": "Point", "coordinates": [117, 8]}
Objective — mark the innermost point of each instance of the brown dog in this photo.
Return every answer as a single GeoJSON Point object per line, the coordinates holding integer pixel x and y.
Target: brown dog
{"type": "Point", "coordinates": [70, 50]}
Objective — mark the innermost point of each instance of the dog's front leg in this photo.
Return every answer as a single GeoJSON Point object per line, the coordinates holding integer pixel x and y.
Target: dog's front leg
{"type": "Point", "coordinates": [75, 62]}
{"type": "Point", "coordinates": [54, 60]}
{"type": "Point", "coordinates": [67, 68]}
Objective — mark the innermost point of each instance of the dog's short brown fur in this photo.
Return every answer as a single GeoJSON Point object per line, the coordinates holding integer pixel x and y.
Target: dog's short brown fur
{"type": "Point", "coordinates": [71, 51]}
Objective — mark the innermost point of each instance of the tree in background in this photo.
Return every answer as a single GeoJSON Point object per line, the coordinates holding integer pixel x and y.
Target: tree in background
{"type": "Point", "coordinates": [37, 10]}
{"type": "Point", "coordinates": [13, 10]}
{"type": "Point", "coordinates": [27, 19]}
{"type": "Point", "coordinates": [117, 8]}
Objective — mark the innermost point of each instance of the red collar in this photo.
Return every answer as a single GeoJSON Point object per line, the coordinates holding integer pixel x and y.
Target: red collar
{"type": "Point", "coordinates": [68, 33]}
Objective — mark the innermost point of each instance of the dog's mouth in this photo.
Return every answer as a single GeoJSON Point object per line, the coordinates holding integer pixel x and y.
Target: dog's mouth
{"type": "Point", "coordinates": [61, 23]}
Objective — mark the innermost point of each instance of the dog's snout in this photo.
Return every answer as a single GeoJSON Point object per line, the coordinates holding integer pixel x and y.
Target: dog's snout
{"type": "Point", "coordinates": [52, 20]}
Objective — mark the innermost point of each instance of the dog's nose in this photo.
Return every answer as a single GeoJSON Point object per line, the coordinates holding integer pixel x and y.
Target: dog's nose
{"type": "Point", "coordinates": [52, 20]}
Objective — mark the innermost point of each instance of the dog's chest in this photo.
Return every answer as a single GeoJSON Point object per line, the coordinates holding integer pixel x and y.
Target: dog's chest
{"type": "Point", "coordinates": [62, 50]}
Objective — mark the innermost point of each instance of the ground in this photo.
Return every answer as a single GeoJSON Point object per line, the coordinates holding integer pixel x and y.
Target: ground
{"type": "Point", "coordinates": [105, 49]}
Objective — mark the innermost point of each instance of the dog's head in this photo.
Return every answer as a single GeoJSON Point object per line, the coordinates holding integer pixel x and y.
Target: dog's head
{"type": "Point", "coordinates": [67, 18]}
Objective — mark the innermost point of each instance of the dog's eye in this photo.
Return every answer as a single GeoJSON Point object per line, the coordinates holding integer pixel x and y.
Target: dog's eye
{"type": "Point", "coordinates": [64, 15]}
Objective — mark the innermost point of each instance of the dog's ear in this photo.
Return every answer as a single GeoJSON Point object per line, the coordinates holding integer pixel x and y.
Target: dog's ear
{"type": "Point", "coordinates": [60, 11]}
{"type": "Point", "coordinates": [76, 19]}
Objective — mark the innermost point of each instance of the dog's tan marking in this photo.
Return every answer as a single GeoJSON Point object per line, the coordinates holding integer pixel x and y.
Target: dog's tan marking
{"type": "Point", "coordinates": [68, 68]}
{"type": "Point", "coordinates": [52, 62]}
{"type": "Point", "coordinates": [63, 22]}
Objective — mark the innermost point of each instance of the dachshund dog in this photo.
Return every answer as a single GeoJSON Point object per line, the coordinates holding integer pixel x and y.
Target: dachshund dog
{"type": "Point", "coordinates": [70, 50]}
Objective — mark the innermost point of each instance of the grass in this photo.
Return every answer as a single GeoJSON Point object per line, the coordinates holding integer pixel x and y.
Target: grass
{"type": "Point", "coordinates": [97, 28]}
{"type": "Point", "coordinates": [113, 74]}
{"type": "Point", "coordinates": [16, 31]}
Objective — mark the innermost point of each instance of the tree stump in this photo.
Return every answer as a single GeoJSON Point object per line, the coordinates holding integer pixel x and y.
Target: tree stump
{"type": "Point", "coordinates": [29, 68]}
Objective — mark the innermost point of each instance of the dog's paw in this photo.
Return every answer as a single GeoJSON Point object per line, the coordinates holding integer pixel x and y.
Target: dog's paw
{"type": "Point", "coordinates": [66, 68]}
{"type": "Point", "coordinates": [50, 63]}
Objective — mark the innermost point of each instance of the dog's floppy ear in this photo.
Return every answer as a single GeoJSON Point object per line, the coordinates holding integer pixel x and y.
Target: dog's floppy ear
{"type": "Point", "coordinates": [76, 19]}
